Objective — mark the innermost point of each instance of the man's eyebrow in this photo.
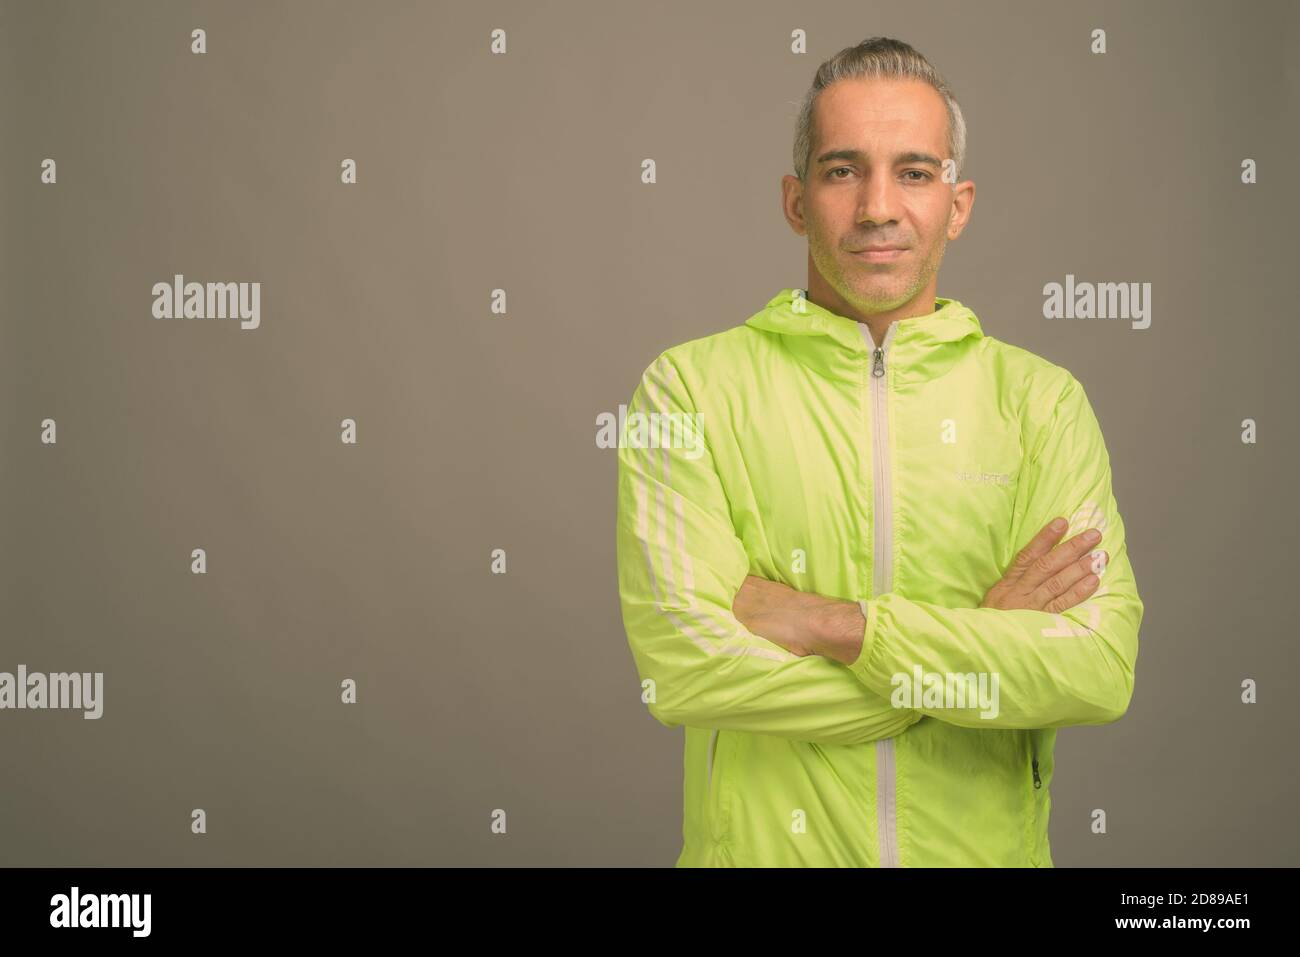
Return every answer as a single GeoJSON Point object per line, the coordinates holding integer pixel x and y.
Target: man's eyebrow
{"type": "Point", "coordinates": [858, 156]}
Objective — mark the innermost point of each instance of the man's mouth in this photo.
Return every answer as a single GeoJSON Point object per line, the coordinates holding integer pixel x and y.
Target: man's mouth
{"type": "Point", "coordinates": [879, 254]}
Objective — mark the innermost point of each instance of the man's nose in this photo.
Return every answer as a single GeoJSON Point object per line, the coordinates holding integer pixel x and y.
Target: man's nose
{"type": "Point", "coordinates": [877, 200]}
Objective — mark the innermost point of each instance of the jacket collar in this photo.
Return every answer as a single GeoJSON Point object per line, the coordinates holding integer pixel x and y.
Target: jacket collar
{"type": "Point", "coordinates": [917, 347]}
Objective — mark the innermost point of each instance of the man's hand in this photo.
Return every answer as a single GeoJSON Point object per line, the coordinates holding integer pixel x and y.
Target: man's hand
{"type": "Point", "coordinates": [1043, 578]}
{"type": "Point", "coordinates": [801, 623]}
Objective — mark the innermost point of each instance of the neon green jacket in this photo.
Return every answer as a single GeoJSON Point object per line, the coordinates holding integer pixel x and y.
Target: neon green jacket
{"type": "Point", "coordinates": [905, 478]}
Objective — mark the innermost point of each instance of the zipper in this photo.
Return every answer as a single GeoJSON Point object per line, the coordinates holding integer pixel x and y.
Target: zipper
{"type": "Point", "coordinates": [1034, 806]}
{"type": "Point", "coordinates": [883, 550]}
{"type": "Point", "coordinates": [1033, 759]}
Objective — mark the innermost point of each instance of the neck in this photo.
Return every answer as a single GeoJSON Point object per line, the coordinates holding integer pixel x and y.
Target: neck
{"type": "Point", "coordinates": [821, 293]}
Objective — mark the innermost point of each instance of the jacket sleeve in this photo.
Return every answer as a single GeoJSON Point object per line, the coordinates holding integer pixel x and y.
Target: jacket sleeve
{"type": "Point", "coordinates": [680, 565]}
{"type": "Point", "coordinates": [1052, 670]}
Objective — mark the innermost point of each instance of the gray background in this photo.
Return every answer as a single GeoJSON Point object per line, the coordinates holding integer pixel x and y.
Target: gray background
{"type": "Point", "coordinates": [480, 691]}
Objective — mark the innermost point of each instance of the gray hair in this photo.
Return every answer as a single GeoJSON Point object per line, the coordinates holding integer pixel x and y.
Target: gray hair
{"type": "Point", "coordinates": [876, 58]}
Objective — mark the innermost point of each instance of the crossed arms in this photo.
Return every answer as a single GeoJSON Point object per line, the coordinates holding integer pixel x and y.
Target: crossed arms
{"type": "Point", "coordinates": [719, 648]}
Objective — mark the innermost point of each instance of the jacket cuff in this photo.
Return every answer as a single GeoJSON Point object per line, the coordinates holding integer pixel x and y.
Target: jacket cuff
{"type": "Point", "coordinates": [859, 665]}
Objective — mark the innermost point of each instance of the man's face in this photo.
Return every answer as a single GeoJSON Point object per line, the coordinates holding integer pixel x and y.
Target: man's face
{"type": "Point", "coordinates": [875, 179]}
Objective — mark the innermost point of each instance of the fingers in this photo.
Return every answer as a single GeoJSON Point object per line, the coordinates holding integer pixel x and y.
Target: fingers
{"type": "Point", "coordinates": [1040, 545]}
{"type": "Point", "coordinates": [1065, 583]}
{"type": "Point", "coordinates": [1079, 591]}
{"type": "Point", "coordinates": [1050, 577]}
{"type": "Point", "coordinates": [1042, 568]}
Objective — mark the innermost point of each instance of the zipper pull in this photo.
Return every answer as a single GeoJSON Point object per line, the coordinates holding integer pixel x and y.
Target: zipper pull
{"type": "Point", "coordinates": [878, 369]}
{"type": "Point", "coordinates": [1038, 782]}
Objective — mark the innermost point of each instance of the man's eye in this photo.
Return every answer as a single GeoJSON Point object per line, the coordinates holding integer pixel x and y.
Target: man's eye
{"type": "Point", "coordinates": [849, 169]}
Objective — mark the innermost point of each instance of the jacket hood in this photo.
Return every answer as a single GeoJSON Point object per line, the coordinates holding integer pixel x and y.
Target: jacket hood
{"type": "Point", "coordinates": [836, 346]}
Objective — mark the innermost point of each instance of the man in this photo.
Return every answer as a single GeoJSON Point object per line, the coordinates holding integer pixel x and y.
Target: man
{"type": "Point", "coordinates": [835, 557]}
